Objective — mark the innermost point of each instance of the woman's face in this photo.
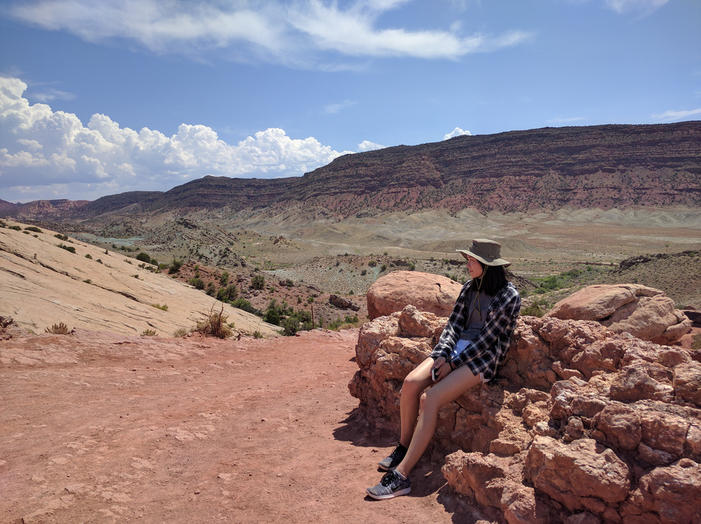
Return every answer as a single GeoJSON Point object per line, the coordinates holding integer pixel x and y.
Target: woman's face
{"type": "Point", "coordinates": [474, 267]}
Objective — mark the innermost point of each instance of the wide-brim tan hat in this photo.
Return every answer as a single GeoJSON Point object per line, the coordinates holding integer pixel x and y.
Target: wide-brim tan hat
{"type": "Point", "coordinates": [486, 251]}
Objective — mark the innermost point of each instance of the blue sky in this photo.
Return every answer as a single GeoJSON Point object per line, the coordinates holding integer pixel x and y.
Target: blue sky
{"type": "Point", "coordinates": [102, 97]}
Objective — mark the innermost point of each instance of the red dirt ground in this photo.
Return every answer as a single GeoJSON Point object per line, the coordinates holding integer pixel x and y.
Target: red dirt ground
{"type": "Point", "coordinates": [99, 427]}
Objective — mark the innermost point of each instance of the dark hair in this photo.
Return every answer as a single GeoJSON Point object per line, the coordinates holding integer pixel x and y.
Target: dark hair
{"type": "Point", "coordinates": [493, 279]}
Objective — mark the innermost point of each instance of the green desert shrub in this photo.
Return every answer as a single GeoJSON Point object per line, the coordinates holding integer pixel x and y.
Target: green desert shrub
{"type": "Point", "coordinates": [61, 237]}
{"type": "Point", "coordinates": [228, 293]}
{"type": "Point", "coordinates": [196, 282]}
{"type": "Point", "coordinates": [175, 266]}
{"type": "Point", "coordinates": [244, 304]}
{"type": "Point", "coordinates": [163, 307]}
{"type": "Point", "coordinates": [33, 228]}
{"type": "Point", "coordinates": [148, 333]}
{"type": "Point", "coordinates": [258, 282]}
{"type": "Point", "coordinates": [16, 228]}
{"type": "Point", "coordinates": [67, 248]}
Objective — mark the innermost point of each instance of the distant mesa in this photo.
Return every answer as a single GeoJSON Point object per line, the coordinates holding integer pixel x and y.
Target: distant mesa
{"type": "Point", "coordinates": [602, 167]}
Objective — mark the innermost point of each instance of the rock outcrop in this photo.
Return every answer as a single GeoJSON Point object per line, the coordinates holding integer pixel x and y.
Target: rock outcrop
{"type": "Point", "coordinates": [582, 424]}
{"type": "Point", "coordinates": [642, 311]}
{"type": "Point", "coordinates": [428, 292]}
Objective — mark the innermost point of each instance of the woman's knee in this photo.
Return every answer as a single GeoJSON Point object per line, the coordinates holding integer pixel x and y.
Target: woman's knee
{"type": "Point", "coordinates": [411, 386]}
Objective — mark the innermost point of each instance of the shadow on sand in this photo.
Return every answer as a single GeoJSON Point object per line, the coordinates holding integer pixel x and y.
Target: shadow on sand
{"type": "Point", "coordinates": [426, 478]}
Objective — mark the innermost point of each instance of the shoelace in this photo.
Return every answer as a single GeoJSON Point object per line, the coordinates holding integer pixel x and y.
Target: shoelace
{"type": "Point", "coordinates": [388, 478]}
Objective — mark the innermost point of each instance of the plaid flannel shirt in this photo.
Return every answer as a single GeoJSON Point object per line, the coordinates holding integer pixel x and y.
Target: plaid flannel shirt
{"type": "Point", "coordinates": [488, 351]}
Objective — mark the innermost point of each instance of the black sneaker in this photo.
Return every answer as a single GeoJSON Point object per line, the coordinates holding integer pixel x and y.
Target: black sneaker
{"type": "Point", "coordinates": [393, 460]}
{"type": "Point", "coordinates": [393, 484]}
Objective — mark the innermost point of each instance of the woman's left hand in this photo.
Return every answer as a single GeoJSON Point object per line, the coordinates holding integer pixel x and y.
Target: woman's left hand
{"type": "Point", "coordinates": [443, 370]}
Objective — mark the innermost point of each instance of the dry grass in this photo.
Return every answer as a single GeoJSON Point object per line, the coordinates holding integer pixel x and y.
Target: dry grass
{"type": "Point", "coordinates": [214, 324]}
{"type": "Point", "coordinates": [59, 329]}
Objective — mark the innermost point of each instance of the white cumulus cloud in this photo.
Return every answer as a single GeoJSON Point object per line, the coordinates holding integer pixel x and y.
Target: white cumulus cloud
{"type": "Point", "coordinates": [367, 145]}
{"type": "Point", "coordinates": [456, 132]}
{"type": "Point", "coordinates": [46, 152]}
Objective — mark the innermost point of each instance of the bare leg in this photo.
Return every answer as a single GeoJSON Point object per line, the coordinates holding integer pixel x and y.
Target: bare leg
{"type": "Point", "coordinates": [447, 390]}
{"type": "Point", "coordinates": [414, 384]}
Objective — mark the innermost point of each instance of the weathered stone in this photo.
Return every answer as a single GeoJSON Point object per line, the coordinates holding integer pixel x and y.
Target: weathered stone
{"type": "Point", "coordinates": [687, 382]}
{"type": "Point", "coordinates": [571, 473]}
{"type": "Point", "coordinates": [672, 492]}
{"type": "Point", "coordinates": [642, 311]}
{"type": "Point", "coordinates": [626, 405]}
{"type": "Point", "coordinates": [621, 426]}
{"type": "Point", "coordinates": [426, 291]}
{"type": "Point", "coordinates": [633, 383]}
{"type": "Point", "coordinates": [414, 323]}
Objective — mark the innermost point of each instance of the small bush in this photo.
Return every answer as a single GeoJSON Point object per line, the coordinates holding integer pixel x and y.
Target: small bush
{"type": "Point", "coordinates": [87, 281]}
{"type": "Point", "coordinates": [61, 237]}
{"type": "Point", "coordinates": [372, 263]}
{"type": "Point", "coordinates": [143, 257]}
{"type": "Point", "coordinates": [224, 278]}
{"type": "Point", "coordinates": [258, 282]}
{"type": "Point", "coordinates": [180, 332]}
{"type": "Point", "coordinates": [67, 248]}
{"type": "Point", "coordinates": [214, 324]}
{"type": "Point", "coordinates": [383, 268]}
{"type": "Point", "coordinates": [364, 272]}
{"type": "Point", "coordinates": [58, 329]}
{"type": "Point", "coordinates": [16, 228]}
{"type": "Point", "coordinates": [88, 255]}
{"type": "Point", "coordinates": [244, 304]}
{"type": "Point", "coordinates": [164, 307]}
{"type": "Point", "coordinates": [33, 228]}
{"type": "Point", "coordinates": [148, 333]}
{"type": "Point", "coordinates": [175, 266]}
{"type": "Point", "coordinates": [99, 260]}
{"type": "Point", "coordinates": [196, 282]}
{"type": "Point", "coordinates": [228, 293]}
{"type": "Point", "coordinates": [257, 334]}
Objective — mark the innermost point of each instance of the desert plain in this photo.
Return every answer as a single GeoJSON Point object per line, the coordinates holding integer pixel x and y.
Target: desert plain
{"type": "Point", "coordinates": [107, 424]}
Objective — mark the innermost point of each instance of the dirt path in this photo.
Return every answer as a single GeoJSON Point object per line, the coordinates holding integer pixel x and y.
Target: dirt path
{"type": "Point", "coordinates": [101, 427]}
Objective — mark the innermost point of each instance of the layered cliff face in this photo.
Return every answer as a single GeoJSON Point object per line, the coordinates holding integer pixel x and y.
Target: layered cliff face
{"type": "Point", "coordinates": [582, 167]}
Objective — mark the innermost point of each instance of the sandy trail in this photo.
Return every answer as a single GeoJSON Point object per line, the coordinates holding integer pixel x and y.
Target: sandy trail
{"type": "Point", "coordinates": [100, 427]}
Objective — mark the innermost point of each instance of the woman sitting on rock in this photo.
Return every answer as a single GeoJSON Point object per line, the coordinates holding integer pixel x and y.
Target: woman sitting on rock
{"type": "Point", "coordinates": [471, 348]}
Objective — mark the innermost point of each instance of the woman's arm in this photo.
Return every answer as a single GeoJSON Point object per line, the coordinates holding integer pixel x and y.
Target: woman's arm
{"type": "Point", "coordinates": [454, 327]}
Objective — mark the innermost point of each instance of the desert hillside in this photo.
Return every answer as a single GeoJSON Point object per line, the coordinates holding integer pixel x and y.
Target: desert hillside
{"type": "Point", "coordinates": [47, 278]}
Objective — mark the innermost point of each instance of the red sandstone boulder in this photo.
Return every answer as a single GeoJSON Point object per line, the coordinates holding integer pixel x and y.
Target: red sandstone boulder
{"type": "Point", "coordinates": [581, 474]}
{"type": "Point", "coordinates": [644, 312]}
{"type": "Point", "coordinates": [426, 291]}
{"type": "Point", "coordinates": [576, 416]}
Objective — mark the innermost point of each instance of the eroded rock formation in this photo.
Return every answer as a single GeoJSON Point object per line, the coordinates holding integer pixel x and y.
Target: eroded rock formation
{"type": "Point", "coordinates": [582, 423]}
{"type": "Point", "coordinates": [426, 291]}
{"type": "Point", "coordinates": [642, 311]}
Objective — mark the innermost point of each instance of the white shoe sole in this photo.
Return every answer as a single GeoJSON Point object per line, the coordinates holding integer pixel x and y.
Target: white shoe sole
{"type": "Point", "coordinates": [404, 491]}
